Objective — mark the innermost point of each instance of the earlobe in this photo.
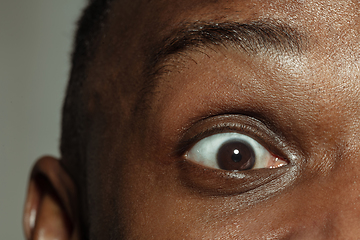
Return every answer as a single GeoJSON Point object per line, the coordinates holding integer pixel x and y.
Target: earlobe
{"type": "Point", "coordinates": [50, 207]}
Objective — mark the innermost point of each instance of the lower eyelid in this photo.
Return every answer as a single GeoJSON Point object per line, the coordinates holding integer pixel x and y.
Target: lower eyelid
{"type": "Point", "coordinates": [215, 182]}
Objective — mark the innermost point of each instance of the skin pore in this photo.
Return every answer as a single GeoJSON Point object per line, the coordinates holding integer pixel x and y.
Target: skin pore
{"type": "Point", "coordinates": [295, 93]}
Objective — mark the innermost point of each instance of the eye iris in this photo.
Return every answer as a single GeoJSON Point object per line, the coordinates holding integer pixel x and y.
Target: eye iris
{"type": "Point", "coordinates": [235, 155]}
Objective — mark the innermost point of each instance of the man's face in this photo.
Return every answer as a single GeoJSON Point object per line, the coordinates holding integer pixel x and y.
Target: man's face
{"type": "Point", "coordinates": [220, 119]}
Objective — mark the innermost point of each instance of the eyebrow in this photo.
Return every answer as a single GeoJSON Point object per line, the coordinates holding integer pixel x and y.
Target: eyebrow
{"type": "Point", "coordinates": [253, 38]}
{"type": "Point", "coordinates": [264, 36]}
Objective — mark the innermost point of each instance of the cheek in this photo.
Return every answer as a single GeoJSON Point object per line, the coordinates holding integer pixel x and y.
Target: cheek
{"type": "Point", "coordinates": [152, 203]}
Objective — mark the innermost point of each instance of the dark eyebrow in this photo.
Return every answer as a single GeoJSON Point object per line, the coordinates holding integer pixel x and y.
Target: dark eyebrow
{"type": "Point", "coordinates": [254, 37]}
{"type": "Point", "coordinates": [263, 36]}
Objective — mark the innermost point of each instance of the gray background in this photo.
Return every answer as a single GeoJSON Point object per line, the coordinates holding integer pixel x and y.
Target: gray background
{"type": "Point", "coordinates": [35, 46]}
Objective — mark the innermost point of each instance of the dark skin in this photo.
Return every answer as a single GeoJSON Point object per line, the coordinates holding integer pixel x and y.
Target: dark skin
{"type": "Point", "coordinates": [301, 105]}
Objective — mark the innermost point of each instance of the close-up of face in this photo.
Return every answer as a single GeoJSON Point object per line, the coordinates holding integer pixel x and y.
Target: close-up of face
{"type": "Point", "coordinates": [212, 119]}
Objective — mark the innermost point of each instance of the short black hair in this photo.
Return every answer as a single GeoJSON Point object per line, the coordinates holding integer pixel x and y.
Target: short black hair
{"type": "Point", "coordinates": [74, 119]}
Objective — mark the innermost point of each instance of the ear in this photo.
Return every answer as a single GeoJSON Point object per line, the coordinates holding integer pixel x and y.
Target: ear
{"type": "Point", "coordinates": [51, 204]}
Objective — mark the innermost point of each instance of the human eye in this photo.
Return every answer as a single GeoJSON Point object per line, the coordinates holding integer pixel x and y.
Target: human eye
{"type": "Point", "coordinates": [233, 151]}
{"type": "Point", "coordinates": [234, 154]}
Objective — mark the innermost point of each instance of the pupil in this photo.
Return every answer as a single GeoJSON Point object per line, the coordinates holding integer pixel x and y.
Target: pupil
{"type": "Point", "coordinates": [235, 155]}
